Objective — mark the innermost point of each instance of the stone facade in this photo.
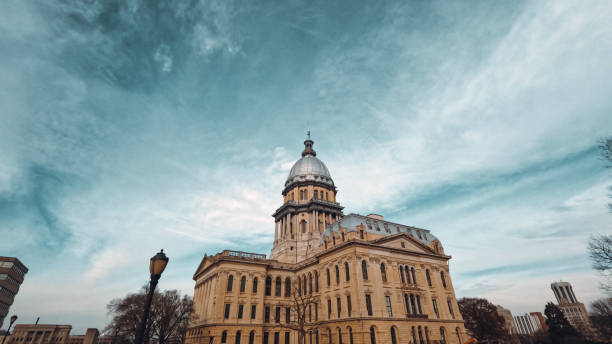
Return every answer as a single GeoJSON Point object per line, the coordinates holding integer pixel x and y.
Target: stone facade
{"type": "Point", "coordinates": [40, 334]}
{"type": "Point", "coordinates": [12, 272]}
{"type": "Point", "coordinates": [367, 280]}
{"type": "Point", "coordinates": [573, 310]}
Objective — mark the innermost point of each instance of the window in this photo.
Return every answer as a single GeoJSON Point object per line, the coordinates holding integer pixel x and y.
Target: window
{"type": "Point", "coordinates": [309, 283]}
{"type": "Point", "coordinates": [255, 285]}
{"type": "Point", "coordinates": [364, 270]}
{"type": "Point", "coordinates": [316, 281]}
{"type": "Point", "coordinates": [383, 272]}
{"type": "Point", "coordinates": [342, 236]}
{"type": "Point", "coordinates": [326, 195]}
{"type": "Point", "coordinates": [349, 306]}
{"type": "Point", "coordinates": [328, 278]}
{"type": "Point", "coordinates": [328, 309]}
{"type": "Point", "coordinates": [402, 274]}
{"type": "Point", "coordinates": [224, 337]}
{"type": "Point", "coordinates": [458, 335]}
{"type": "Point", "coordinates": [350, 335]}
{"type": "Point", "coordinates": [316, 194]}
{"type": "Point", "coordinates": [265, 337]}
{"type": "Point", "coordinates": [368, 304]}
{"type": "Point", "coordinates": [316, 307]}
{"type": "Point", "coordinates": [418, 299]}
{"type": "Point", "coordinates": [240, 310]}
{"type": "Point", "coordinates": [252, 337]}
{"type": "Point", "coordinates": [310, 312]}
{"type": "Point", "coordinates": [276, 338]}
{"type": "Point", "coordinates": [339, 336]}
{"type": "Point", "coordinates": [427, 335]}
{"type": "Point", "coordinates": [226, 313]}
{"type": "Point", "coordinates": [337, 275]}
{"type": "Point", "coordinates": [303, 226]}
{"type": "Point", "coordinates": [413, 276]}
{"type": "Point", "coordinates": [346, 271]}
{"type": "Point", "coordinates": [242, 284]}
{"type": "Point", "coordinates": [450, 308]}
{"type": "Point", "coordinates": [277, 314]}
{"type": "Point", "coordinates": [230, 282]}
{"type": "Point", "coordinates": [403, 244]}
{"type": "Point", "coordinates": [267, 314]}
{"type": "Point", "coordinates": [372, 335]}
{"type": "Point", "coordinates": [407, 303]}
{"type": "Point", "coordinates": [287, 287]}
{"type": "Point", "coordinates": [388, 301]}
{"type": "Point", "coordinates": [287, 337]}
{"type": "Point", "coordinates": [361, 235]}
{"type": "Point", "coordinates": [420, 335]}
{"type": "Point", "coordinates": [304, 283]}
{"type": "Point", "coordinates": [435, 307]}
{"type": "Point", "coordinates": [339, 306]}
{"type": "Point", "coordinates": [268, 286]}
{"type": "Point", "coordinates": [393, 336]}
{"type": "Point", "coordinates": [428, 277]}
{"type": "Point", "coordinates": [238, 334]}
{"type": "Point", "coordinates": [253, 311]}
{"type": "Point", "coordinates": [287, 314]}
{"type": "Point", "coordinates": [443, 279]}
{"type": "Point", "coordinates": [442, 335]}
{"type": "Point", "coordinates": [278, 286]}
{"type": "Point", "coordinates": [413, 304]}
{"type": "Point", "coordinates": [413, 335]}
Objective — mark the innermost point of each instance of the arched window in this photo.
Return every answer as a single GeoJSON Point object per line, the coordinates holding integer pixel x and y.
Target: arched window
{"type": "Point", "coordinates": [458, 335]}
{"type": "Point", "coordinates": [230, 282]}
{"type": "Point", "coordinates": [255, 285]}
{"type": "Point", "coordinates": [442, 277]}
{"type": "Point", "coordinates": [328, 278]}
{"type": "Point", "coordinates": [252, 337]}
{"type": "Point", "coordinates": [330, 335]}
{"type": "Point", "coordinates": [279, 286]}
{"type": "Point", "coordinates": [413, 304]}
{"type": "Point", "coordinates": [420, 335]}
{"type": "Point", "coordinates": [413, 276]}
{"type": "Point", "coordinates": [372, 335]}
{"type": "Point", "coordinates": [339, 336]}
{"type": "Point", "coordinates": [268, 286]}
{"type": "Point", "coordinates": [287, 287]}
{"type": "Point", "coordinates": [364, 270]}
{"type": "Point", "coordinates": [242, 284]}
{"type": "Point", "coordinates": [350, 331]}
{"type": "Point", "coordinates": [224, 337]}
{"type": "Point", "coordinates": [428, 277]}
{"type": "Point", "coordinates": [238, 333]}
{"type": "Point", "coordinates": [303, 226]}
{"type": "Point", "coordinates": [346, 271]}
{"type": "Point", "coordinates": [413, 336]}
{"type": "Point", "coordinates": [383, 272]}
{"type": "Point", "coordinates": [427, 336]}
{"type": "Point", "coordinates": [442, 335]}
{"type": "Point", "coordinates": [337, 275]}
{"type": "Point", "coordinates": [304, 283]}
{"type": "Point", "coordinates": [450, 308]}
{"type": "Point", "coordinates": [309, 283]}
{"type": "Point", "coordinates": [393, 336]}
{"type": "Point", "coordinates": [402, 274]}
{"type": "Point", "coordinates": [316, 194]}
{"type": "Point", "coordinates": [316, 281]}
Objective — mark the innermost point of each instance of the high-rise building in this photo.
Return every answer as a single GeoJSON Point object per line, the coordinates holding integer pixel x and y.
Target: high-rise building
{"type": "Point", "coordinates": [574, 311]}
{"type": "Point", "coordinates": [348, 278]}
{"type": "Point", "coordinates": [12, 272]}
{"type": "Point", "coordinates": [508, 320]}
{"type": "Point", "coordinates": [527, 324]}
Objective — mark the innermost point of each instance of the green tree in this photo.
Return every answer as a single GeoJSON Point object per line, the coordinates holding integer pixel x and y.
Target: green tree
{"type": "Point", "coordinates": [559, 329]}
{"type": "Point", "coordinates": [482, 320]}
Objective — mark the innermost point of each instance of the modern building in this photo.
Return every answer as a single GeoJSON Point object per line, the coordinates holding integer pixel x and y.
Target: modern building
{"type": "Point", "coordinates": [91, 336]}
{"type": "Point", "coordinates": [336, 278]}
{"type": "Point", "coordinates": [575, 312]}
{"type": "Point", "coordinates": [508, 320]}
{"type": "Point", "coordinates": [40, 334]}
{"type": "Point", "coordinates": [527, 324]}
{"type": "Point", "coordinates": [542, 319]}
{"type": "Point", "coordinates": [12, 272]}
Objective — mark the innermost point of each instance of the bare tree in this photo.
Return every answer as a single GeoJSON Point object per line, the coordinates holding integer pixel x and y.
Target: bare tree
{"type": "Point", "coordinates": [600, 251]}
{"type": "Point", "coordinates": [301, 304]}
{"type": "Point", "coordinates": [606, 153]}
{"type": "Point", "coordinates": [168, 317]}
{"type": "Point", "coordinates": [601, 317]}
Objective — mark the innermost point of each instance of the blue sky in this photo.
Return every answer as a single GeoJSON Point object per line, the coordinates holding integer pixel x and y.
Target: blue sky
{"type": "Point", "coordinates": [128, 126]}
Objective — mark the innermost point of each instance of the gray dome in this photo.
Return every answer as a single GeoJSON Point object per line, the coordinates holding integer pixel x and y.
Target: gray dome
{"type": "Point", "coordinates": [309, 168]}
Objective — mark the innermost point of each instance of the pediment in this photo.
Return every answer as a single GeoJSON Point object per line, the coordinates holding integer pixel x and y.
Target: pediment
{"type": "Point", "coordinates": [409, 244]}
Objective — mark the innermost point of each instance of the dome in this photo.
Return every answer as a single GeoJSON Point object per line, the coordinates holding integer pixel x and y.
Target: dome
{"type": "Point", "coordinates": [309, 168]}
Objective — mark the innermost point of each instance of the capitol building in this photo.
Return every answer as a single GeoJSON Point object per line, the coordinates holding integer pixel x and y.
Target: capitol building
{"type": "Point", "coordinates": [330, 278]}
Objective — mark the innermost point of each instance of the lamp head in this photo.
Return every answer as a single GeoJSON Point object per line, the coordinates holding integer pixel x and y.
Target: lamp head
{"type": "Point", "coordinates": [13, 319]}
{"type": "Point", "coordinates": [158, 264]}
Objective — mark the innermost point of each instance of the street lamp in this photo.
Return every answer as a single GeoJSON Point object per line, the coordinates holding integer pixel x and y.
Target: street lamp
{"type": "Point", "coordinates": [156, 267]}
{"type": "Point", "coordinates": [13, 319]}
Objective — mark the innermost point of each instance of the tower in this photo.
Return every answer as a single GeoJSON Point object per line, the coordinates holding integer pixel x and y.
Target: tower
{"type": "Point", "coordinates": [574, 311]}
{"type": "Point", "coordinates": [309, 205]}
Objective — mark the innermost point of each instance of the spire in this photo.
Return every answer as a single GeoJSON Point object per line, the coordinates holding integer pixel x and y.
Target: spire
{"type": "Point", "coordinates": [308, 146]}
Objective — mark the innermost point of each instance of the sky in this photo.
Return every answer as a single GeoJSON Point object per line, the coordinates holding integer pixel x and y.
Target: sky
{"type": "Point", "coordinates": [127, 126]}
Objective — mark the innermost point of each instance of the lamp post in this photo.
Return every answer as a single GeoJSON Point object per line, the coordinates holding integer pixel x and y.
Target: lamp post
{"type": "Point", "coordinates": [156, 267]}
{"type": "Point", "coordinates": [13, 319]}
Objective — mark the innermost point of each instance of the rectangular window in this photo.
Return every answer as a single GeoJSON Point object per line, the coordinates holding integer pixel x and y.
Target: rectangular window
{"type": "Point", "coordinates": [349, 307]}
{"type": "Point", "coordinates": [389, 310]}
{"type": "Point", "coordinates": [253, 311]}
{"type": "Point", "coordinates": [328, 309]}
{"type": "Point", "coordinates": [267, 314]}
{"type": "Point", "coordinates": [287, 314]}
{"type": "Point", "coordinates": [277, 314]}
{"type": "Point", "coordinates": [435, 307]}
{"type": "Point", "coordinates": [450, 309]}
{"type": "Point", "coordinates": [276, 338]}
{"type": "Point", "coordinates": [316, 307]}
{"type": "Point", "coordinates": [287, 337]}
{"type": "Point", "coordinates": [265, 337]}
{"type": "Point", "coordinates": [240, 309]}
{"type": "Point", "coordinates": [368, 303]}
{"type": "Point", "coordinates": [227, 311]}
{"type": "Point", "coordinates": [339, 306]}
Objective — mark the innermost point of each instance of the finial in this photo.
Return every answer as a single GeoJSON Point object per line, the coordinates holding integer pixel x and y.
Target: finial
{"type": "Point", "coordinates": [308, 134]}
{"type": "Point", "coordinates": [308, 146]}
